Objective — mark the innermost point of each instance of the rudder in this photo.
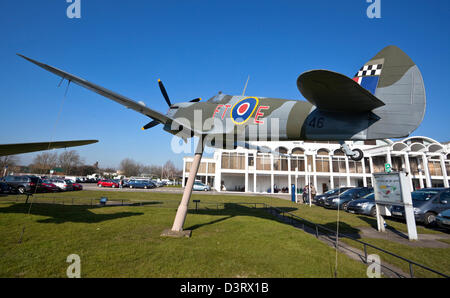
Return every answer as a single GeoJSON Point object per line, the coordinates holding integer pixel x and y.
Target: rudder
{"type": "Point", "coordinates": [396, 80]}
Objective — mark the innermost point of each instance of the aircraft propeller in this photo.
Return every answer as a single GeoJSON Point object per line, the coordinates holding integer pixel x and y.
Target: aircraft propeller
{"type": "Point", "coordinates": [169, 103]}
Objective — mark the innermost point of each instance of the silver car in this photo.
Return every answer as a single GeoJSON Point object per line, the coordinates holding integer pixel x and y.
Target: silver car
{"type": "Point", "coordinates": [201, 186]}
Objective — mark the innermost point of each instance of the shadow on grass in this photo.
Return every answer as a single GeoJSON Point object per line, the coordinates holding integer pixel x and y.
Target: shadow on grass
{"type": "Point", "coordinates": [344, 228]}
{"type": "Point", "coordinates": [231, 210]}
{"type": "Point", "coordinates": [62, 214]}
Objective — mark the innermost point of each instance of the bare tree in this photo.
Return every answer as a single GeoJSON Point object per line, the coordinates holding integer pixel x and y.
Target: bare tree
{"type": "Point", "coordinates": [169, 170]}
{"type": "Point", "coordinates": [45, 161]}
{"type": "Point", "coordinates": [68, 160]}
{"type": "Point", "coordinates": [9, 161]}
{"type": "Point", "coordinates": [129, 167]}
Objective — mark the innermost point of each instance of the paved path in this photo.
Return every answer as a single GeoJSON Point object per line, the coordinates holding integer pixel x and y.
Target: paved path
{"type": "Point", "coordinates": [425, 240]}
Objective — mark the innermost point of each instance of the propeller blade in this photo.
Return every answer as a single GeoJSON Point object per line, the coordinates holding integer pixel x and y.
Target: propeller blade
{"type": "Point", "coordinates": [164, 92]}
{"type": "Point", "coordinates": [195, 100]}
{"type": "Point", "coordinates": [150, 124]}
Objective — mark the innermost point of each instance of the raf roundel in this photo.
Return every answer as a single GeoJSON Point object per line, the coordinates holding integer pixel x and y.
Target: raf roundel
{"type": "Point", "coordinates": [243, 110]}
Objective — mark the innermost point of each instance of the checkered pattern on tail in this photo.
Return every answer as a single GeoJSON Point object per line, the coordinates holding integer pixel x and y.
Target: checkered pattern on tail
{"type": "Point", "coordinates": [369, 70]}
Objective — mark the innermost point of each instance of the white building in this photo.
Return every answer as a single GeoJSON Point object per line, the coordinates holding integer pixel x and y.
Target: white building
{"type": "Point", "coordinates": [426, 161]}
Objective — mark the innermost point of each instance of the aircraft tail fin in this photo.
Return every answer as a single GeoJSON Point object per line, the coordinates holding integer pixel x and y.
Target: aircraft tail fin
{"type": "Point", "coordinates": [392, 77]}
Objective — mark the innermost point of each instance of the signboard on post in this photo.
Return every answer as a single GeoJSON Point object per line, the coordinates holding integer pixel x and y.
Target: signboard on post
{"type": "Point", "coordinates": [393, 188]}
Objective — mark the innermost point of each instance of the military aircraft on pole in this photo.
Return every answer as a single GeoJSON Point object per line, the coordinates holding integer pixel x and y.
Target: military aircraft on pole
{"type": "Point", "coordinates": [384, 99]}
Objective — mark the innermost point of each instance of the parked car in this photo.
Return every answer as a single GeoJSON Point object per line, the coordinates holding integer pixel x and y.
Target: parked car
{"type": "Point", "coordinates": [60, 183]}
{"type": "Point", "coordinates": [77, 186]}
{"type": "Point", "coordinates": [140, 184]}
{"type": "Point", "coordinates": [201, 186]}
{"type": "Point", "coordinates": [365, 205]}
{"type": "Point", "coordinates": [341, 201]}
{"type": "Point", "coordinates": [107, 183]}
{"type": "Point", "coordinates": [443, 219]}
{"type": "Point", "coordinates": [69, 184]}
{"type": "Point", "coordinates": [50, 187]}
{"type": "Point", "coordinates": [5, 188]}
{"type": "Point", "coordinates": [23, 184]}
{"type": "Point", "coordinates": [319, 200]}
{"type": "Point", "coordinates": [427, 203]}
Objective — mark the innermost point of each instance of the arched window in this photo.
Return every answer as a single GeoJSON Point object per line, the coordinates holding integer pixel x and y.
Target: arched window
{"type": "Point", "coordinates": [298, 151]}
{"type": "Point", "coordinates": [338, 152]}
{"type": "Point", "coordinates": [280, 163]}
{"type": "Point", "coordinates": [322, 161]}
{"type": "Point", "coordinates": [322, 152]}
{"type": "Point", "coordinates": [339, 161]}
{"type": "Point", "coordinates": [282, 150]}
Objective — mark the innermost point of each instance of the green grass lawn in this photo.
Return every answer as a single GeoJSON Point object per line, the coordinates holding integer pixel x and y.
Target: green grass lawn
{"type": "Point", "coordinates": [124, 241]}
{"type": "Point", "coordinates": [228, 239]}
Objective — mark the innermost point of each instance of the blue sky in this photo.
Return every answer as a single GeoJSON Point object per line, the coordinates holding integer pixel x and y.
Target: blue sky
{"type": "Point", "coordinates": [197, 48]}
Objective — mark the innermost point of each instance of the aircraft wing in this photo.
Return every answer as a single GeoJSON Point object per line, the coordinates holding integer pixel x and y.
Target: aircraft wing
{"type": "Point", "coordinates": [105, 92]}
{"type": "Point", "coordinates": [332, 91]}
{"type": "Point", "coordinates": [11, 149]}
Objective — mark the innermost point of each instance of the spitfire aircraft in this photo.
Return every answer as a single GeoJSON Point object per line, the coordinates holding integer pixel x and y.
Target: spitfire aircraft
{"type": "Point", "coordinates": [384, 99]}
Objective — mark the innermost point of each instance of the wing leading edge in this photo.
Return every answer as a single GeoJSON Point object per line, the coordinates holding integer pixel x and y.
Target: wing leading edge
{"type": "Point", "coordinates": [11, 149]}
{"type": "Point", "coordinates": [140, 108]}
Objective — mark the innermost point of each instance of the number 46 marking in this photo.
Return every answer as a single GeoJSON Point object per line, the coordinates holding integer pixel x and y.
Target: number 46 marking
{"type": "Point", "coordinates": [316, 122]}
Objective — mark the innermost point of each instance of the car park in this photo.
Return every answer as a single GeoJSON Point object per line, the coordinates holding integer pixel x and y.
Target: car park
{"type": "Point", "coordinates": [107, 183]}
{"type": "Point", "coordinates": [427, 204]}
{"type": "Point", "coordinates": [341, 201]}
{"type": "Point", "coordinates": [140, 184]}
{"type": "Point", "coordinates": [365, 205]}
{"type": "Point", "coordinates": [443, 219]}
{"type": "Point", "coordinates": [200, 186]}
{"type": "Point", "coordinates": [319, 200]}
{"type": "Point", "coordinates": [23, 184]}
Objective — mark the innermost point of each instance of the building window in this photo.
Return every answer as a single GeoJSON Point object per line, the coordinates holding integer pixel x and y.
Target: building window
{"type": "Point", "coordinates": [263, 162]}
{"type": "Point", "coordinates": [355, 166]}
{"type": "Point", "coordinates": [435, 168]}
{"type": "Point", "coordinates": [211, 167]}
{"type": "Point", "coordinates": [298, 162]}
{"type": "Point", "coordinates": [322, 161]}
{"type": "Point", "coordinates": [280, 163]}
{"type": "Point", "coordinates": [188, 166]}
{"type": "Point", "coordinates": [378, 164]}
{"type": "Point", "coordinates": [202, 168]}
{"type": "Point", "coordinates": [414, 165]}
{"type": "Point", "coordinates": [339, 164]}
{"type": "Point", "coordinates": [367, 165]}
{"type": "Point", "coordinates": [397, 163]}
{"type": "Point", "coordinates": [233, 160]}
{"type": "Point", "coordinates": [251, 160]}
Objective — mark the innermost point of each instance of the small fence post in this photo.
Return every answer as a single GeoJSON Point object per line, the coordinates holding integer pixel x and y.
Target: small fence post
{"type": "Point", "coordinates": [411, 270]}
{"type": "Point", "coordinates": [365, 252]}
{"type": "Point", "coordinates": [317, 231]}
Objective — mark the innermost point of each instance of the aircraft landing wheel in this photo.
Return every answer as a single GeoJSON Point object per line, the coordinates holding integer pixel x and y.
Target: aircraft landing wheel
{"type": "Point", "coordinates": [358, 155]}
